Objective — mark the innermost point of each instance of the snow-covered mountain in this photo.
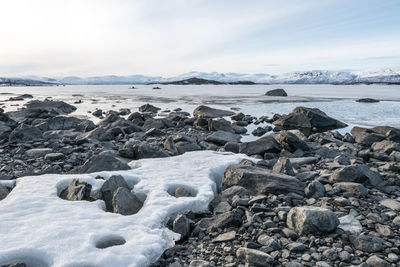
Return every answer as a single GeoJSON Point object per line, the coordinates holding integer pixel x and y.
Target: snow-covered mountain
{"type": "Point", "coordinates": [389, 75]}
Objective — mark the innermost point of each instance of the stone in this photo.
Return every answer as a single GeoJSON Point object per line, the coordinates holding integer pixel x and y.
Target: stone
{"type": "Point", "coordinates": [181, 225]}
{"type": "Point", "coordinates": [105, 161]}
{"type": "Point", "coordinates": [144, 150]}
{"type": "Point", "coordinates": [59, 123]}
{"type": "Point", "coordinates": [97, 113]}
{"type": "Point", "coordinates": [303, 117]}
{"type": "Point", "coordinates": [350, 224]}
{"type": "Point", "coordinates": [149, 108]}
{"type": "Point", "coordinates": [37, 152]}
{"type": "Point", "coordinates": [207, 112]}
{"type": "Point", "coordinates": [77, 191]}
{"type": "Point", "coordinates": [383, 230]}
{"type": "Point", "coordinates": [54, 156]}
{"type": "Point", "coordinates": [367, 100]}
{"type": "Point", "coordinates": [222, 137]}
{"type": "Point", "coordinates": [284, 166]}
{"type": "Point", "coordinates": [259, 131]}
{"type": "Point", "coordinates": [292, 142]}
{"type": "Point", "coordinates": [227, 219]}
{"type": "Point", "coordinates": [312, 220]}
{"type": "Point", "coordinates": [109, 187]}
{"type": "Point", "coordinates": [220, 125]}
{"type": "Point", "coordinates": [181, 192]}
{"type": "Point", "coordinates": [391, 204]}
{"type": "Point", "coordinates": [268, 242]}
{"type": "Point", "coordinates": [367, 243]}
{"type": "Point", "coordinates": [267, 144]}
{"type": "Point", "coordinates": [200, 263]}
{"type": "Point", "coordinates": [297, 162]}
{"type": "Point", "coordinates": [356, 189]}
{"type": "Point", "coordinates": [25, 133]}
{"type": "Point", "coordinates": [3, 192]}
{"type": "Point", "coordinates": [377, 262]}
{"type": "Point", "coordinates": [366, 136]}
{"type": "Point", "coordinates": [184, 147]}
{"type": "Point", "coordinates": [386, 146]}
{"type": "Point", "coordinates": [315, 189]}
{"type": "Point", "coordinates": [296, 247]}
{"type": "Point", "coordinates": [276, 92]}
{"type": "Point", "coordinates": [125, 203]}
{"type": "Point", "coordinates": [170, 146]}
{"type": "Point", "coordinates": [254, 257]}
{"type": "Point", "coordinates": [358, 174]}
{"type": "Point", "coordinates": [225, 237]}
{"type": "Point", "coordinates": [261, 181]}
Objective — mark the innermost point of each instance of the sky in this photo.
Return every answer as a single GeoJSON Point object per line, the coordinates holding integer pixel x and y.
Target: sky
{"type": "Point", "coordinates": [58, 38]}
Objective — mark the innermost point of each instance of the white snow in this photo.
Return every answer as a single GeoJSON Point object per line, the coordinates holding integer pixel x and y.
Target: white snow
{"type": "Point", "coordinates": [39, 228]}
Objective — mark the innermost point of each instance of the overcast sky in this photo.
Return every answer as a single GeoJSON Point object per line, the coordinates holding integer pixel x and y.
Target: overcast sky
{"type": "Point", "coordinates": [161, 37]}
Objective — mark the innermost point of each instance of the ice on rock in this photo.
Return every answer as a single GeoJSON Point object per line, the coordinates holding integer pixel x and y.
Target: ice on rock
{"type": "Point", "coordinates": [41, 229]}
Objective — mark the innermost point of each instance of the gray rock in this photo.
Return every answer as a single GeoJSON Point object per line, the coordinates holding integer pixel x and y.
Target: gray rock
{"type": "Point", "coordinates": [222, 137]}
{"type": "Point", "coordinates": [391, 204]}
{"type": "Point", "coordinates": [367, 243]}
{"type": "Point", "coordinates": [184, 147]}
{"type": "Point", "coordinates": [77, 191]}
{"type": "Point", "coordinates": [377, 262]}
{"type": "Point", "coordinates": [268, 242]}
{"type": "Point", "coordinates": [125, 203]}
{"type": "Point", "coordinates": [297, 162]}
{"type": "Point", "coordinates": [386, 146]}
{"type": "Point", "coordinates": [350, 224]}
{"type": "Point", "coordinates": [296, 247]}
{"type": "Point", "coordinates": [149, 108]}
{"type": "Point", "coordinates": [97, 113]}
{"type": "Point", "coordinates": [200, 263]}
{"type": "Point", "coordinates": [227, 219]}
{"type": "Point", "coordinates": [225, 237]}
{"type": "Point", "coordinates": [356, 189]}
{"type": "Point", "coordinates": [315, 189]}
{"type": "Point", "coordinates": [254, 257]}
{"type": "Point", "coordinates": [207, 112]}
{"type": "Point", "coordinates": [170, 146]}
{"type": "Point", "coordinates": [366, 136]}
{"type": "Point", "coordinates": [54, 156]}
{"type": "Point", "coordinates": [109, 187]}
{"type": "Point", "coordinates": [105, 161]}
{"type": "Point", "coordinates": [181, 225]}
{"type": "Point", "coordinates": [38, 152]}
{"type": "Point", "coordinates": [292, 142]}
{"type": "Point", "coordinates": [276, 92]}
{"type": "Point", "coordinates": [25, 133]}
{"type": "Point", "coordinates": [261, 181]}
{"type": "Point", "coordinates": [144, 150]}
{"type": "Point", "coordinates": [220, 125]}
{"type": "Point", "coordinates": [3, 192]}
{"type": "Point", "coordinates": [284, 166]}
{"type": "Point", "coordinates": [312, 220]}
{"type": "Point", "coordinates": [266, 144]}
{"type": "Point", "coordinates": [358, 174]}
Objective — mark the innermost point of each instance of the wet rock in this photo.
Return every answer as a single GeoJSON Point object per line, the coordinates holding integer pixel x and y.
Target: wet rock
{"type": "Point", "coordinates": [222, 137]}
{"type": "Point", "coordinates": [207, 112]}
{"type": "Point", "coordinates": [266, 144]}
{"type": "Point", "coordinates": [260, 180]}
{"type": "Point", "coordinates": [312, 220]}
{"type": "Point", "coordinates": [125, 203]}
{"type": "Point", "coordinates": [276, 92]}
{"type": "Point", "coordinates": [358, 174]}
{"type": "Point", "coordinates": [77, 191]}
{"type": "Point", "coordinates": [105, 161]}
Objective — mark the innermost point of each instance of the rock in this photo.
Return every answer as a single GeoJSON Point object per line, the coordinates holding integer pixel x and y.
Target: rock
{"type": "Point", "coordinates": [220, 125]}
{"type": "Point", "coordinates": [367, 243]}
{"type": "Point", "coordinates": [225, 237]}
{"type": "Point", "coordinates": [232, 147]}
{"type": "Point", "coordinates": [297, 162]}
{"type": "Point", "coordinates": [105, 161]}
{"type": "Point", "coordinates": [25, 133]}
{"type": "Point", "coordinates": [366, 136]}
{"type": "Point", "coordinates": [261, 181]}
{"type": "Point", "coordinates": [268, 242]}
{"type": "Point", "coordinates": [254, 257]}
{"type": "Point", "coordinates": [149, 108]}
{"type": "Point", "coordinates": [292, 142]}
{"type": "Point", "coordinates": [238, 116]}
{"type": "Point", "coordinates": [59, 123]}
{"type": "Point", "coordinates": [77, 191]}
{"type": "Point", "coordinates": [18, 264]}
{"type": "Point", "coordinates": [367, 100]}
{"type": "Point", "coordinates": [109, 188]}
{"type": "Point", "coordinates": [144, 150]}
{"type": "Point", "coordinates": [184, 147]}
{"type": "Point", "coordinates": [296, 247]}
{"type": "Point", "coordinates": [259, 131]}
{"type": "Point", "coordinates": [222, 137]}
{"type": "Point", "coordinates": [312, 220]}
{"type": "Point", "coordinates": [200, 263]}
{"type": "Point", "coordinates": [181, 192]}
{"type": "Point", "coordinates": [54, 156]}
{"type": "Point", "coordinates": [350, 224]}
{"type": "Point", "coordinates": [227, 219]}
{"type": "Point", "coordinates": [358, 174]}
{"type": "Point", "coordinates": [383, 230]}
{"type": "Point", "coordinates": [266, 144]}
{"type": "Point", "coordinates": [97, 113]}
{"type": "Point", "coordinates": [356, 189]}
{"type": "Point", "coordinates": [125, 203]}
{"type": "Point", "coordinates": [302, 117]}
{"type": "Point", "coordinates": [315, 189]}
{"type": "Point", "coordinates": [284, 166]}
{"type": "Point", "coordinates": [207, 112]}
{"type": "Point", "coordinates": [276, 92]}
{"type": "Point", "coordinates": [3, 192]}
{"type": "Point", "coordinates": [391, 204]}
{"type": "Point", "coordinates": [376, 261]}
{"type": "Point", "coordinates": [386, 146]}
{"type": "Point", "coordinates": [37, 152]}
{"type": "Point", "coordinates": [170, 146]}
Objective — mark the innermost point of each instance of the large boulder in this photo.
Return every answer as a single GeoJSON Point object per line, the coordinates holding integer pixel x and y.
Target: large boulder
{"type": "Point", "coordinates": [77, 191]}
{"type": "Point", "coordinates": [109, 188]}
{"type": "Point", "coordinates": [276, 92]}
{"type": "Point", "coordinates": [302, 117]}
{"type": "Point", "coordinates": [222, 137]}
{"type": "Point", "coordinates": [42, 109]}
{"type": "Point", "coordinates": [220, 125]}
{"type": "Point", "coordinates": [267, 144]}
{"type": "Point", "coordinates": [105, 161]}
{"type": "Point", "coordinates": [260, 180]}
{"type": "Point", "coordinates": [312, 220]}
{"type": "Point", "coordinates": [25, 133]}
{"type": "Point", "coordinates": [207, 112]}
{"type": "Point", "coordinates": [125, 203]}
{"type": "Point", "coordinates": [357, 174]}
{"type": "Point", "coordinates": [59, 123]}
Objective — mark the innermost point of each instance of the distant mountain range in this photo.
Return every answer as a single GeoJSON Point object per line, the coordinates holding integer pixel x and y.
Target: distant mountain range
{"type": "Point", "coordinates": [389, 75]}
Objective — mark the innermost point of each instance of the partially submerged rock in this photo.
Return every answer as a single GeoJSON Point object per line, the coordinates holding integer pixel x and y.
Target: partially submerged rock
{"type": "Point", "coordinates": [367, 100]}
{"type": "Point", "coordinates": [207, 112]}
{"type": "Point", "coordinates": [276, 92]}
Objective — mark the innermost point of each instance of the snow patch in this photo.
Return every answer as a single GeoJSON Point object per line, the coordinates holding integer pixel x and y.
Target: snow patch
{"type": "Point", "coordinates": [40, 229]}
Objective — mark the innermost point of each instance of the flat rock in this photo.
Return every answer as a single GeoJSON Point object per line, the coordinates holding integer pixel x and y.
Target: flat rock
{"type": "Point", "coordinates": [356, 189]}
{"type": "Point", "coordinates": [358, 174]}
{"type": "Point", "coordinates": [367, 243]}
{"type": "Point", "coordinates": [208, 112]}
{"type": "Point", "coordinates": [225, 237]}
{"type": "Point", "coordinates": [3, 192]}
{"type": "Point", "coordinates": [37, 152]}
{"type": "Point", "coordinates": [350, 224]}
{"type": "Point", "coordinates": [391, 204]}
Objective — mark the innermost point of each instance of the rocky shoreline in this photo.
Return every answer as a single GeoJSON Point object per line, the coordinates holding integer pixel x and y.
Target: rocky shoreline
{"type": "Point", "coordinates": [324, 199]}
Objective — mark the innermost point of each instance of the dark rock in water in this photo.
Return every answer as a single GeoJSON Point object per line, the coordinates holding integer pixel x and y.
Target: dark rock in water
{"type": "Point", "coordinates": [97, 113]}
{"type": "Point", "coordinates": [261, 181]}
{"type": "Point", "coordinates": [222, 137]}
{"type": "Point", "coordinates": [220, 125]}
{"type": "Point", "coordinates": [367, 243]}
{"type": "Point", "coordinates": [367, 100]}
{"type": "Point", "coordinates": [238, 116]}
{"type": "Point", "coordinates": [149, 108]}
{"type": "Point", "coordinates": [259, 131]}
{"type": "Point", "coordinates": [109, 187]}
{"type": "Point", "coordinates": [366, 136]}
{"type": "Point", "coordinates": [3, 192]}
{"type": "Point", "coordinates": [276, 92]}
{"type": "Point", "coordinates": [76, 191]}
{"type": "Point", "coordinates": [358, 174]}
{"type": "Point", "coordinates": [20, 97]}
{"type": "Point", "coordinates": [181, 225]}
{"type": "Point", "coordinates": [266, 144]}
{"type": "Point", "coordinates": [302, 117]}
{"type": "Point", "coordinates": [207, 112]}
{"type": "Point", "coordinates": [126, 203]}
{"type": "Point", "coordinates": [24, 133]}
{"type": "Point", "coordinates": [105, 161]}
{"type": "Point", "coordinates": [312, 220]}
